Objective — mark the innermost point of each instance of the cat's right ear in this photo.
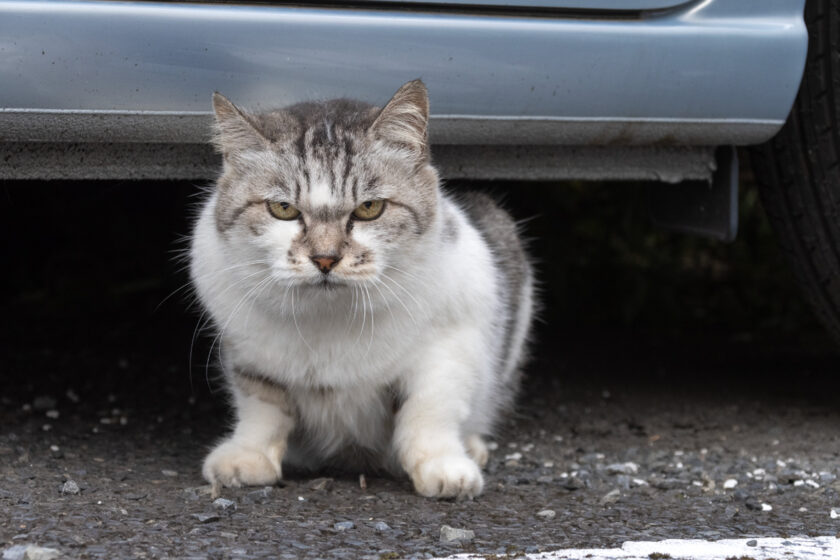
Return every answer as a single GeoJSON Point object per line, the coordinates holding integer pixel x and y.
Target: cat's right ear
{"type": "Point", "coordinates": [234, 130]}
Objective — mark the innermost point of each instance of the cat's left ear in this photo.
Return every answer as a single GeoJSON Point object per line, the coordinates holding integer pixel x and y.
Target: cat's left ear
{"type": "Point", "coordinates": [404, 120]}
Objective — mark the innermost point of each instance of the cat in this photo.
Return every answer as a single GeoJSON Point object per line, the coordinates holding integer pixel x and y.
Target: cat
{"type": "Point", "coordinates": [367, 318]}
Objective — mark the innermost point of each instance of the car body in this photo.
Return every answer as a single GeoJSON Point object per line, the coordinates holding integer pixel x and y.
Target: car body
{"type": "Point", "coordinates": [534, 89]}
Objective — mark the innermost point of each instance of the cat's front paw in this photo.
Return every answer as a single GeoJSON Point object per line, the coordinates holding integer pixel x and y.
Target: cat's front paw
{"type": "Point", "coordinates": [477, 449]}
{"type": "Point", "coordinates": [448, 476]}
{"type": "Point", "coordinates": [233, 464]}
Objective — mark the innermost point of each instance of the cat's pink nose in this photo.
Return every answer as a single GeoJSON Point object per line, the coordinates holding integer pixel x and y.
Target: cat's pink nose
{"type": "Point", "coordinates": [325, 263]}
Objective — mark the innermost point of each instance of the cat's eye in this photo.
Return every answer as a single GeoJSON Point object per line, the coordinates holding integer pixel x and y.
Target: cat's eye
{"type": "Point", "coordinates": [369, 210]}
{"type": "Point", "coordinates": [282, 210]}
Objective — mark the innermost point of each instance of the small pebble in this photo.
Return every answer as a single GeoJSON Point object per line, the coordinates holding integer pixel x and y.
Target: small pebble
{"type": "Point", "coordinates": [197, 492]}
{"type": "Point", "coordinates": [835, 513]}
{"type": "Point", "coordinates": [573, 483]}
{"type": "Point", "coordinates": [224, 504]}
{"type": "Point", "coordinates": [70, 487]}
{"type": "Point", "coordinates": [450, 534]}
{"type": "Point", "coordinates": [667, 483]}
{"type": "Point", "coordinates": [206, 517]}
{"type": "Point", "coordinates": [30, 552]}
{"type": "Point", "coordinates": [611, 497]}
{"type": "Point", "coordinates": [52, 414]}
{"type": "Point", "coordinates": [623, 468]}
{"type": "Point", "coordinates": [547, 514]}
{"type": "Point", "coordinates": [343, 525]}
{"type": "Point", "coordinates": [730, 483]}
{"type": "Point", "coordinates": [259, 496]}
{"type": "Point", "coordinates": [741, 494]}
{"type": "Point", "coordinates": [513, 456]}
{"type": "Point", "coordinates": [752, 504]}
{"type": "Point", "coordinates": [362, 482]}
{"type": "Point", "coordinates": [752, 542]}
{"type": "Point", "coordinates": [167, 472]}
{"type": "Point", "coordinates": [381, 526]}
{"type": "Point", "coordinates": [321, 484]}
{"type": "Point", "coordinates": [766, 507]}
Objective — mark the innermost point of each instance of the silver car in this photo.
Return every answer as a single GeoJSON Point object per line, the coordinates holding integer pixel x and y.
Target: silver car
{"type": "Point", "coordinates": [520, 89]}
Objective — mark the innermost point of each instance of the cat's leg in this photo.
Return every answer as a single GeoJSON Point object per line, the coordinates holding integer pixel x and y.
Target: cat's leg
{"type": "Point", "coordinates": [428, 435]}
{"type": "Point", "coordinates": [253, 454]}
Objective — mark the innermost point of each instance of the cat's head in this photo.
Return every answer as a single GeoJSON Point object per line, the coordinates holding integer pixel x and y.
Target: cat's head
{"type": "Point", "coordinates": [326, 193]}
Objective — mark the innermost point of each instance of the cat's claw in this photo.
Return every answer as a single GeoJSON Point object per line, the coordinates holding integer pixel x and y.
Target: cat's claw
{"type": "Point", "coordinates": [448, 476]}
{"type": "Point", "coordinates": [233, 465]}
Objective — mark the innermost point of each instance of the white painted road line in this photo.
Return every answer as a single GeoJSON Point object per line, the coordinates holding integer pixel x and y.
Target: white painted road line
{"type": "Point", "coordinates": [799, 548]}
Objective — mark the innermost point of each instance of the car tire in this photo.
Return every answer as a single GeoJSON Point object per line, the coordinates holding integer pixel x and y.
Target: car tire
{"type": "Point", "coordinates": [798, 171]}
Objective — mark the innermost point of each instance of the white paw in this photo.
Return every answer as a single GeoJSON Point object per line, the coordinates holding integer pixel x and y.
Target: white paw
{"type": "Point", "coordinates": [232, 464]}
{"type": "Point", "coordinates": [477, 449]}
{"type": "Point", "coordinates": [448, 476]}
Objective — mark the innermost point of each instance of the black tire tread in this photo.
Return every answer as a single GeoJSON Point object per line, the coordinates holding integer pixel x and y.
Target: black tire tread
{"type": "Point", "coordinates": [799, 169]}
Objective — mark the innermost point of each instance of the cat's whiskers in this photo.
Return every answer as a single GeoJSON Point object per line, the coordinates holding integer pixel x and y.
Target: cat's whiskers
{"type": "Point", "coordinates": [294, 318]}
{"type": "Point", "coordinates": [266, 283]}
{"type": "Point", "coordinates": [254, 291]}
{"type": "Point", "coordinates": [401, 271]}
{"type": "Point", "coordinates": [397, 297]}
{"type": "Point", "coordinates": [401, 287]}
{"type": "Point", "coordinates": [219, 337]}
{"type": "Point", "coordinates": [372, 324]}
{"type": "Point", "coordinates": [364, 313]}
{"type": "Point", "coordinates": [353, 303]}
{"type": "Point", "coordinates": [190, 283]}
{"type": "Point", "coordinates": [385, 300]}
{"type": "Point", "coordinates": [198, 327]}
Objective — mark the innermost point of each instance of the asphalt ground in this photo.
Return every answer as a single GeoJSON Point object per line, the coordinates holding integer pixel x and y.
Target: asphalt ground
{"type": "Point", "coordinates": [637, 421]}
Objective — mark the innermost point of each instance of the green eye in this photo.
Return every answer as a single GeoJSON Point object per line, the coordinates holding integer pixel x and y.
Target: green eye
{"type": "Point", "coordinates": [369, 210]}
{"type": "Point", "coordinates": [282, 210]}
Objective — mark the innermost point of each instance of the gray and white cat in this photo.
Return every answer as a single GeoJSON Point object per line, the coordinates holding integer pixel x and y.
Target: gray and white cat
{"type": "Point", "coordinates": [367, 318]}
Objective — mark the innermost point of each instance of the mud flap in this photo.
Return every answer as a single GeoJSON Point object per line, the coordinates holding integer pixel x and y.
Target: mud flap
{"type": "Point", "coordinates": [699, 207]}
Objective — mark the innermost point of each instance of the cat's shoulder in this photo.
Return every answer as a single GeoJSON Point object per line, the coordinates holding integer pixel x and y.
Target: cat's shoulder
{"type": "Point", "coordinates": [486, 214]}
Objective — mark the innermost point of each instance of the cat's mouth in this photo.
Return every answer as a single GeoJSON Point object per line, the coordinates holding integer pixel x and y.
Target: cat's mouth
{"type": "Point", "coordinates": [328, 283]}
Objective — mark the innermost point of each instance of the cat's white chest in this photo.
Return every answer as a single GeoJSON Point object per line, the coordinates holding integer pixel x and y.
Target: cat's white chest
{"type": "Point", "coordinates": [337, 352]}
